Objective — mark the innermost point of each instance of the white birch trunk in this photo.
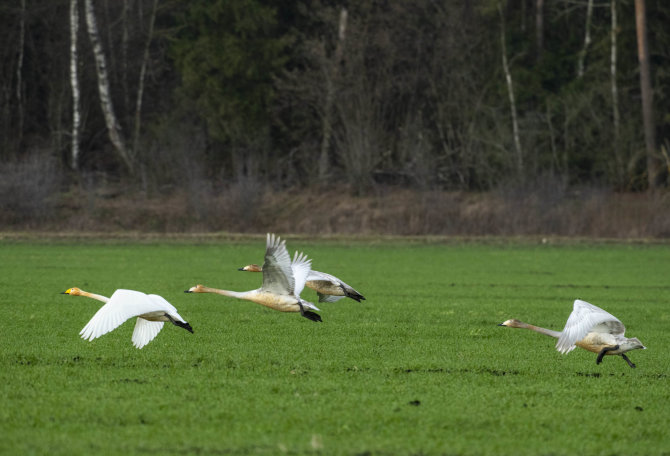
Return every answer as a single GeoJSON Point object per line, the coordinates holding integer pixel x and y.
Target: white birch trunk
{"type": "Point", "coordinates": [587, 40]}
{"type": "Point", "coordinates": [510, 91]}
{"type": "Point", "coordinates": [74, 81]}
{"type": "Point", "coordinates": [113, 127]}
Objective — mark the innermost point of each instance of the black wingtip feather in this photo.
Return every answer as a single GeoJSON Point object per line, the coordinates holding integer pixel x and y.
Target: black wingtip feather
{"type": "Point", "coordinates": [183, 324]}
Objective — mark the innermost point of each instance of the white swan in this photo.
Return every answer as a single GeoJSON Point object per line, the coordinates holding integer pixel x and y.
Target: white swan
{"type": "Point", "coordinates": [590, 328]}
{"type": "Point", "coordinates": [328, 287]}
{"type": "Point", "coordinates": [283, 281]}
{"type": "Point", "coordinates": [151, 311]}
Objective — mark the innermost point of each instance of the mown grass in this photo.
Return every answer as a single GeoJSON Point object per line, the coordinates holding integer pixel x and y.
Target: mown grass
{"type": "Point", "coordinates": [418, 368]}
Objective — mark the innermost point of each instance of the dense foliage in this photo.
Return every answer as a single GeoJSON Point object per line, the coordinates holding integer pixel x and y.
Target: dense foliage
{"type": "Point", "coordinates": [410, 93]}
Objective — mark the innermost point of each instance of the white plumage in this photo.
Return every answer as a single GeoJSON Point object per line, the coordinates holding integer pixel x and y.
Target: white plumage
{"type": "Point", "coordinates": [590, 328]}
{"type": "Point", "coordinates": [328, 287]}
{"type": "Point", "coordinates": [151, 312]}
{"type": "Point", "coordinates": [586, 318]}
{"type": "Point", "coordinates": [283, 281]}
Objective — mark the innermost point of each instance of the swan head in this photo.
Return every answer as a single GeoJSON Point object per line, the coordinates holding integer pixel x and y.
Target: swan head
{"type": "Point", "coordinates": [74, 291]}
{"type": "Point", "coordinates": [513, 323]}
{"type": "Point", "coordinates": [251, 268]}
{"type": "Point", "coordinates": [196, 289]}
{"type": "Point", "coordinates": [632, 343]}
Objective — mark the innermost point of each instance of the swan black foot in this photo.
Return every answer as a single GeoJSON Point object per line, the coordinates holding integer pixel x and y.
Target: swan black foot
{"type": "Point", "coordinates": [311, 315]}
{"type": "Point", "coordinates": [630, 363]}
{"type": "Point", "coordinates": [603, 351]}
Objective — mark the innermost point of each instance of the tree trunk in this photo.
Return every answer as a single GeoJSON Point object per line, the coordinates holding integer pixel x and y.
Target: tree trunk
{"type": "Point", "coordinates": [125, 19]}
{"type": "Point", "coordinates": [113, 127]}
{"type": "Point", "coordinates": [19, 74]}
{"type": "Point", "coordinates": [615, 92]}
{"type": "Point", "coordinates": [74, 81]}
{"type": "Point", "coordinates": [510, 91]}
{"type": "Point", "coordinates": [140, 84]}
{"type": "Point", "coordinates": [539, 28]}
{"type": "Point", "coordinates": [587, 40]}
{"type": "Point", "coordinates": [331, 77]}
{"type": "Point", "coordinates": [653, 162]}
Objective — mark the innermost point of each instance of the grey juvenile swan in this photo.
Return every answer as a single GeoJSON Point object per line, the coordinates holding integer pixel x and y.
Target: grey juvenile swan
{"type": "Point", "coordinates": [590, 328]}
{"type": "Point", "coordinates": [283, 281]}
{"type": "Point", "coordinates": [328, 287]}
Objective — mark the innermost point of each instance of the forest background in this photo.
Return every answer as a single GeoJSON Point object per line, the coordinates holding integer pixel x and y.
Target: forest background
{"type": "Point", "coordinates": [476, 117]}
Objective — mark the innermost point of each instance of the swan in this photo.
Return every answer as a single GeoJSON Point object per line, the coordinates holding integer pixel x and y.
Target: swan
{"type": "Point", "coordinates": [590, 328]}
{"type": "Point", "coordinates": [283, 281]}
{"type": "Point", "coordinates": [328, 287]}
{"type": "Point", "coordinates": [151, 311]}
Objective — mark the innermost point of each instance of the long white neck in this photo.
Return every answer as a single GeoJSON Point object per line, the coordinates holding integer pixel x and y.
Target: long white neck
{"type": "Point", "coordinates": [232, 294]}
{"type": "Point", "coordinates": [94, 296]}
{"type": "Point", "coordinates": [539, 329]}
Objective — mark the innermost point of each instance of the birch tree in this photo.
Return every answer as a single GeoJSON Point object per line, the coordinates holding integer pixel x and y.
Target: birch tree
{"type": "Point", "coordinates": [74, 82]}
{"type": "Point", "coordinates": [113, 127]}
{"type": "Point", "coordinates": [587, 39]}
{"type": "Point", "coordinates": [510, 92]}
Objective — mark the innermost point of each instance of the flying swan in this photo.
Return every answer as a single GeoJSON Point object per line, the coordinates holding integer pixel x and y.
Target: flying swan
{"type": "Point", "coordinates": [590, 328]}
{"type": "Point", "coordinates": [283, 281]}
{"type": "Point", "coordinates": [151, 311]}
{"type": "Point", "coordinates": [329, 288]}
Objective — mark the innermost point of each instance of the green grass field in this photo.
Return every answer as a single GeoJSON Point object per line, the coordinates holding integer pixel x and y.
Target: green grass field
{"type": "Point", "coordinates": [418, 368]}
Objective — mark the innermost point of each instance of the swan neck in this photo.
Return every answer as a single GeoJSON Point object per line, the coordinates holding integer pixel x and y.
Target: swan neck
{"type": "Point", "coordinates": [232, 294]}
{"type": "Point", "coordinates": [545, 331]}
{"type": "Point", "coordinates": [94, 296]}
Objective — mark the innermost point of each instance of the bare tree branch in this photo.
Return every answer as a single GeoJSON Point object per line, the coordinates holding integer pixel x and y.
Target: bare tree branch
{"type": "Point", "coordinates": [140, 84]}
{"type": "Point", "coordinates": [510, 91]}
{"type": "Point", "coordinates": [587, 39]}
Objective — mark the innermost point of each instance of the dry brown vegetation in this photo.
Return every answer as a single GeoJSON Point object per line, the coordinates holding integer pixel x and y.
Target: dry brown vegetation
{"type": "Point", "coordinates": [246, 208]}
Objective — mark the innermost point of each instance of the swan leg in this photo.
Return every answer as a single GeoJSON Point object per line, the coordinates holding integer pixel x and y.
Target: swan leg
{"type": "Point", "coordinates": [603, 351]}
{"type": "Point", "coordinates": [184, 325]}
{"type": "Point", "coordinates": [630, 363]}
{"type": "Point", "coordinates": [309, 314]}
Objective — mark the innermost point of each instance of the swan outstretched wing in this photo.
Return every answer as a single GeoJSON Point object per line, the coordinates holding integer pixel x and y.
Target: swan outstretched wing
{"type": "Point", "coordinates": [586, 318]}
{"type": "Point", "coordinates": [277, 272]}
{"type": "Point", "coordinates": [145, 331]}
{"type": "Point", "coordinates": [318, 276]}
{"type": "Point", "coordinates": [327, 279]}
{"type": "Point", "coordinates": [162, 304]}
{"type": "Point", "coordinates": [122, 305]}
{"type": "Point", "coordinates": [300, 267]}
